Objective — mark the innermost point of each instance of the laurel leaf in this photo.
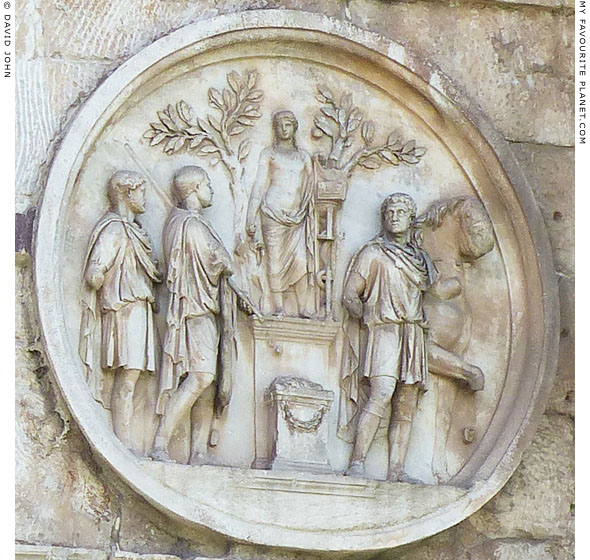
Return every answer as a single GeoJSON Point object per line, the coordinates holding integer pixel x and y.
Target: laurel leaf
{"type": "Point", "coordinates": [243, 149]}
{"type": "Point", "coordinates": [233, 79]}
{"type": "Point", "coordinates": [236, 129]}
{"type": "Point", "coordinates": [214, 122]}
{"type": "Point", "coordinates": [245, 120]}
{"type": "Point", "coordinates": [178, 122]}
{"type": "Point", "coordinates": [326, 94]}
{"type": "Point", "coordinates": [392, 139]}
{"type": "Point", "coordinates": [230, 99]}
{"type": "Point", "coordinates": [354, 120]}
{"type": "Point", "coordinates": [215, 98]}
{"type": "Point", "coordinates": [195, 130]}
{"type": "Point", "coordinates": [368, 132]}
{"type": "Point", "coordinates": [408, 158]}
{"type": "Point", "coordinates": [324, 125]}
{"type": "Point", "coordinates": [346, 101]}
{"type": "Point", "coordinates": [409, 147]}
{"type": "Point", "coordinates": [167, 121]}
{"type": "Point", "coordinates": [196, 142]}
{"type": "Point", "coordinates": [174, 144]}
{"type": "Point", "coordinates": [159, 127]}
{"type": "Point", "coordinates": [158, 138]}
{"type": "Point", "coordinates": [206, 127]}
{"type": "Point", "coordinates": [208, 149]}
{"type": "Point", "coordinates": [389, 157]}
{"type": "Point", "coordinates": [252, 79]}
{"type": "Point", "coordinates": [253, 114]}
{"type": "Point", "coordinates": [370, 162]}
{"type": "Point", "coordinates": [330, 112]}
{"type": "Point", "coordinates": [342, 119]}
{"type": "Point", "coordinates": [186, 112]}
{"type": "Point", "coordinates": [255, 96]}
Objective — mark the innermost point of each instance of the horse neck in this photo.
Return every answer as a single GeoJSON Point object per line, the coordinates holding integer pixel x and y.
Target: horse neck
{"type": "Point", "coordinates": [443, 247]}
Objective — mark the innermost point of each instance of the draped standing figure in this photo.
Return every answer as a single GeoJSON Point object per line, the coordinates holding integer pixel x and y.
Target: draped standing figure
{"type": "Point", "coordinates": [281, 205]}
{"type": "Point", "coordinates": [385, 360]}
{"type": "Point", "coordinates": [201, 310]}
{"type": "Point", "coordinates": [119, 274]}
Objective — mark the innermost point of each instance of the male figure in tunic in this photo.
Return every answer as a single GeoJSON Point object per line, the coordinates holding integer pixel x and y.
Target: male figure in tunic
{"type": "Point", "coordinates": [201, 304]}
{"type": "Point", "coordinates": [383, 290]}
{"type": "Point", "coordinates": [282, 198]}
{"type": "Point", "coordinates": [119, 274]}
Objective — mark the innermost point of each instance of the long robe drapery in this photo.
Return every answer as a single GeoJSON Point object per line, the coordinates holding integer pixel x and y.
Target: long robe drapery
{"type": "Point", "coordinates": [288, 229]}
{"type": "Point", "coordinates": [121, 252]}
{"type": "Point", "coordinates": [197, 269]}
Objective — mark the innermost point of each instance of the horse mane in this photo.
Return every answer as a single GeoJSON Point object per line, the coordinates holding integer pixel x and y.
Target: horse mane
{"type": "Point", "coordinates": [436, 213]}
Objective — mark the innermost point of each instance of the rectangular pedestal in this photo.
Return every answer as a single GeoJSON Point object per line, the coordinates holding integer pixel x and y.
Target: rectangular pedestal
{"type": "Point", "coordinates": [285, 347]}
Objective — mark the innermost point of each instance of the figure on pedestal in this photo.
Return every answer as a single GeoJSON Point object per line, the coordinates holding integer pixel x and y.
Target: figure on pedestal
{"type": "Point", "coordinates": [386, 338]}
{"type": "Point", "coordinates": [119, 274]}
{"type": "Point", "coordinates": [282, 199]}
{"type": "Point", "coordinates": [201, 309]}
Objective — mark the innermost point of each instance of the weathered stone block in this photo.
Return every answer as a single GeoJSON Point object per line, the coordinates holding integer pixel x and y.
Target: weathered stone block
{"type": "Point", "coordinates": [145, 530]}
{"type": "Point", "coordinates": [517, 65]}
{"type": "Point", "coordinates": [562, 399]}
{"type": "Point", "coordinates": [97, 30]}
{"type": "Point", "coordinates": [45, 90]}
{"type": "Point", "coordinates": [513, 550]}
{"type": "Point", "coordinates": [537, 501]}
{"type": "Point", "coordinates": [53, 460]}
{"type": "Point", "coordinates": [550, 172]}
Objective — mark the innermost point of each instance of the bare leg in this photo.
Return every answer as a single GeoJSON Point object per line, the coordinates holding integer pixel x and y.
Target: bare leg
{"type": "Point", "coordinates": [277, 303]}
{"type": "Point", "coordinates": [201, 425]}
{"type": "Point", "coordinates": [290, 303]}
{"type": "Point", "coordinates": [366, 430]}
{"type": "Point", "coordinates": [122, 406]}
{"type": "Point", "coordinates": [446, 391]}
{"type": "Point", "coordinates": [179, 404]}
{"type": "Point", "coordinates": [405, 401]}
{"type": "Point", "coordinates": [382, 389]}
{"type": "Point", "coordinates": [303, 294]}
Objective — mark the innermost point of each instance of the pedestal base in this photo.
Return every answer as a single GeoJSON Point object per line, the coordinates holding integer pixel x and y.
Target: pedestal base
{"type": "Point", "coordinates": [287, 347]}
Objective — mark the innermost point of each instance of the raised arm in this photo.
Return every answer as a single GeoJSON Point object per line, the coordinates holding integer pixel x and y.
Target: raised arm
{"type": "Point", "coordinates": [258, 191]}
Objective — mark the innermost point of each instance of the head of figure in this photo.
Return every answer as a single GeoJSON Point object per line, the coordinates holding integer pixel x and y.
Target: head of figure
{"type": "Point", "coordinates": [127, 188]}
{"type": "Point", "coordinates": [398, 211]}
{"type": "Point", "coordinates": [476, 234]}
{"type": "Point", "coordinates": [284, 125]}
{"type": "Point", "coordinates": [193, 180]}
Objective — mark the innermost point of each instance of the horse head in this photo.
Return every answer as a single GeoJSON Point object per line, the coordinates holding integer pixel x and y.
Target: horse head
{"type": "Point", "coordinates": [475, 234]}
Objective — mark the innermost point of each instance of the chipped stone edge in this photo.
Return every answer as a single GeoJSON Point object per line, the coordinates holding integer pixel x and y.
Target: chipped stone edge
{"type": "Point", "coordinates": [56, 343]}
{"type": "Point", "coordinates": [50, 552]}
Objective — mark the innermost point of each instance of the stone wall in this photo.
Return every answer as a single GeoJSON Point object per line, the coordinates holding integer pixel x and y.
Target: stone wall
{"type": "Point", "coordinates": [514, 59]}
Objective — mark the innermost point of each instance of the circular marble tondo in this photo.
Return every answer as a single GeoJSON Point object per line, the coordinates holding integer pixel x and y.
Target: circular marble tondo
{"type": "Point", "coordinates": [311, 65]}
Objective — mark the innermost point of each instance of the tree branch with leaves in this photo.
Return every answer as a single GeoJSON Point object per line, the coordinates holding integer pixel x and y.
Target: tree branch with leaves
{"type": "Point", "coordinates": [340, 121]}
{"type": "Point", "coordinates": [215, 136]}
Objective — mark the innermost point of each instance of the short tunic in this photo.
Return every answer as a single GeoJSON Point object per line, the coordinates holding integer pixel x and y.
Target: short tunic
{"type": "Point", "coordinates": [396, 277]}
{"type": "Point", "coordinates": [196, 261]}
{"type": "Point", "coordinates": [121, 251]}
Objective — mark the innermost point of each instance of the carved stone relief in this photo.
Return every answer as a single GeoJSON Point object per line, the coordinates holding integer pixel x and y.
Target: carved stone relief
{"type": "Point", "coordinates": [325, 300]}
